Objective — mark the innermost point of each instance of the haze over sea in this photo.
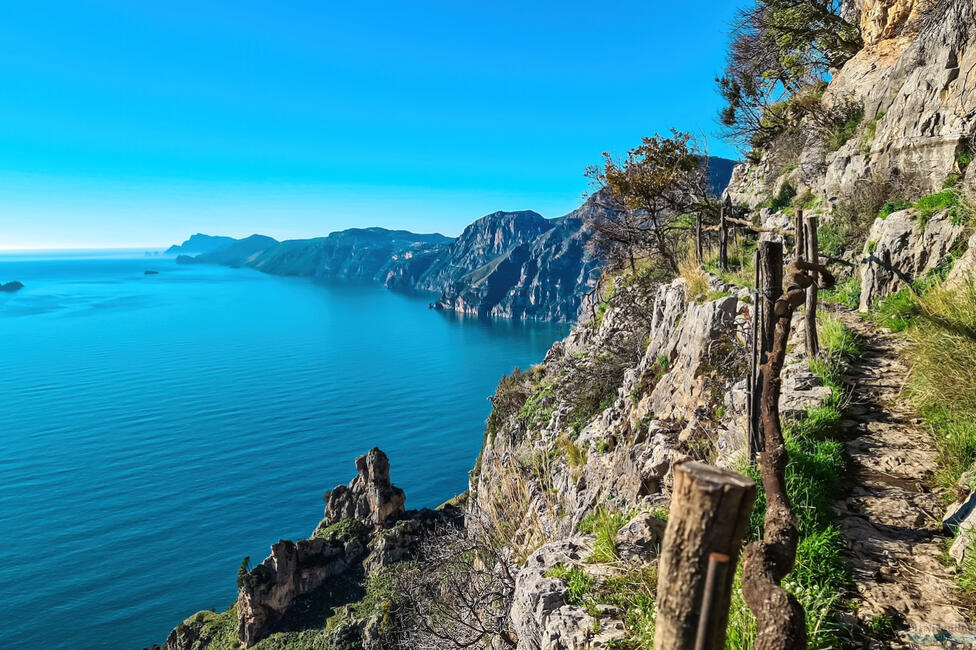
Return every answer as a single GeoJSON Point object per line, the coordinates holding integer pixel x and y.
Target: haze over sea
{"type": "Point", "coordinates": [157, 428]}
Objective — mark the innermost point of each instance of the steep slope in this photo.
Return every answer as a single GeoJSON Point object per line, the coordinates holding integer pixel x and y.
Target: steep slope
{"type": "Point", "coordinates": [481, 243]}
{"type": "Point", "coordinates": [545, 279]}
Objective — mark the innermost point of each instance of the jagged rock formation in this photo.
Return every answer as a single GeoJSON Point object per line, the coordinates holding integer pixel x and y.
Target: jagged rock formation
{"type": "Point", "coordinates": [365, 531]}
{"type": "Point", "coordinates": [544, 278]}
{"type": "Point", "coordinates": [914, 82]}
{"type": "Point", "coordinates": [483, 241]}
{"type": "Point", "coordinates": [370, 498]}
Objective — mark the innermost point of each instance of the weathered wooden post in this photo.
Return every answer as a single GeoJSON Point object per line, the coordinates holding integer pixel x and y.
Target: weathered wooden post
{"type": "Point", "coordinates": [723, 234]}
{"type": "Point", "coordinates": [769, 287]}
{"type": "Point", "coordinates": [699, 248]}
{"type": "Point", "coordinates": [771, 272]}
{"type": "Point", "coordinates": [780, 618]}
{"type": "Point", "coordinates": [710, 509]}
{"type": "Point", "coordinates": [812, 255]}
{"type": "Point", "coordinates": [801, 242]}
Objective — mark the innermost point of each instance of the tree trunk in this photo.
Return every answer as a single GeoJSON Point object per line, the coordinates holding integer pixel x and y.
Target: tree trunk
{"type": "Point", "coordinates": [812, 255]}
{"type": "Point", "coordinates": [723, 239]}
{"type": "Point", "coordinates": [710, 509]}
{"type": "Point", "coordinates": [780, 617]}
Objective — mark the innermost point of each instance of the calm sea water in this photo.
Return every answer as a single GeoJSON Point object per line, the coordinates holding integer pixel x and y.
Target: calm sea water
{"type": "Point", "coordinates": [157, 428]}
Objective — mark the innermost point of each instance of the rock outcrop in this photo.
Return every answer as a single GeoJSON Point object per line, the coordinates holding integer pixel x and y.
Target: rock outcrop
{"type": "Point", "coordinates": [365, 530]}
{"type": "Point", "coordinates": [902, 248]}
{"type": "Point", "coordinates": [370, 498]}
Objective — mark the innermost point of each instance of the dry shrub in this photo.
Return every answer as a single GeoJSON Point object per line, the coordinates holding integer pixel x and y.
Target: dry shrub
{"type": "Point", "coordinates": [696, 282]}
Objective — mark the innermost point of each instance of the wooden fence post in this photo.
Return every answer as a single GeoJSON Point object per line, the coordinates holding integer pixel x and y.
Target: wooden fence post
{"type": "Point", "coordinates": [723, 235]}
{"type": "Point", "coordinates": [769, 287]}
{"type": "Point", "coordinates": [801, 241]}
{"type": "Point", "coordinates": [699, 248]}
{"type": "Point", "coordinates": [812, 255]}
{"type": "Point", "coordinates": [710, 509]}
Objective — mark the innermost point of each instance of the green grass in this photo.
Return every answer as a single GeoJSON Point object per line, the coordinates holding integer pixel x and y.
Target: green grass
{"type": "Point", "coordinates": [942, 355]}
{"type": "Point", "coordinates": [578, 584]}
{"type": "Point", "coordinates": [890, 207]}
{"type": "Point", "coordinates": [950, 199]}
{"type": "Point", "coordinates": [847, 292]}
{"type": "Point", "coordinates": [836, 338]}
{"type": "Point", "coordinates": [896, 311]}
{"type": "Point", "coordinates": [347, 528]}
{"type": "Point", "coordinates": [603, 524]}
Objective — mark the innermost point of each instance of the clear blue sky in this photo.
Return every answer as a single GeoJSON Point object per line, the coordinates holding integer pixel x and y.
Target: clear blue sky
{"type": "Point", "coordinates": [138, 123]}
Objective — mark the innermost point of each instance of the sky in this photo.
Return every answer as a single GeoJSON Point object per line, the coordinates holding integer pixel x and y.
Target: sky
{"type": "Point", "coordinates": [136, 124]}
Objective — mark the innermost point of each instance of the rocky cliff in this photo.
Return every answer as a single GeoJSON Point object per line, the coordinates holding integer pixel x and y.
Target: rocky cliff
{"type": "Point", "coordinates": [505, 264]}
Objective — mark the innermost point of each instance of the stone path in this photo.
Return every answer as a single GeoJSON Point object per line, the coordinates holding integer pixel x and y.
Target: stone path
{"type": "Point", "coordinates": [890, 517]}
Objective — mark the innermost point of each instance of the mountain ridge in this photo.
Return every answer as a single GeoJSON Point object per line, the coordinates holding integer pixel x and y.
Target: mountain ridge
{"type": "Point", "coordinates": [511, 264]}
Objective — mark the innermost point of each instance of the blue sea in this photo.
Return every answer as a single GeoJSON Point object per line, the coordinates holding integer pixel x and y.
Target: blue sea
{"type": "Point", "coordinates": [158, 428]}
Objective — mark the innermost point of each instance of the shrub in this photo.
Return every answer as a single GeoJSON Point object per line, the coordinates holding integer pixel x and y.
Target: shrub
{"type": "Point", "coordinates": [783, 198]}
{"type": "Point", "coordinates": [964, 158]}
{"type": "Point", "coordinates": [845, 131]}
{"type": "Point", "coordinates": [951, 200]}
{"type": "Point", "coordinates": [890, 207]}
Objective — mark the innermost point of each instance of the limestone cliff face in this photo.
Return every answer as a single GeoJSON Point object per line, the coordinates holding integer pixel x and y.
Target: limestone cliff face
{"type": "Point", "coordinates": [482, 242]}
{"type": "Point", "coordinates": [545, 278]}
{"type": "Point", "coordinates": [915, 81]}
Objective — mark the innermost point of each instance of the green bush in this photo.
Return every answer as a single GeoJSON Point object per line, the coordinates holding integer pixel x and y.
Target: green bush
{"type": "Point", "coordinates": [951, 200]}
{"type": "Point", "coordinates": [846, 131]}
{"type": "Point", "coordinates": [890, 207]}
{"type": "Point", "coordinates": [964, 158]}
{"type": "Point", "coordinates": [783, 197]}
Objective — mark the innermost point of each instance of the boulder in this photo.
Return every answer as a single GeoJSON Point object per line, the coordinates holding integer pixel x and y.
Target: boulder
{"type": "Point", "coordinates": [903, 248]}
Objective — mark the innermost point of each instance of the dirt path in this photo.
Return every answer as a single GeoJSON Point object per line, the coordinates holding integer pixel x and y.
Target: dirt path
{"type": "Point", "coordinates": [890, 517]}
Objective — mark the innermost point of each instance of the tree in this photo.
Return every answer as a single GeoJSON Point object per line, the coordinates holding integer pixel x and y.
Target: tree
{"type": "Point", "coordinates": [780, 55]}
{"type": "Point", "coordinates": [456, 593]}
{"type": "Point", "coordinates": [645, 195]}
